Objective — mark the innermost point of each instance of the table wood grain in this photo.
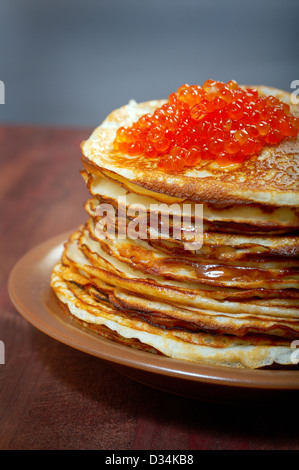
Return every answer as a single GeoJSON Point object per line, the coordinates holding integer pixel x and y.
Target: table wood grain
{"type": "Point", "coordinates": [55, 397]}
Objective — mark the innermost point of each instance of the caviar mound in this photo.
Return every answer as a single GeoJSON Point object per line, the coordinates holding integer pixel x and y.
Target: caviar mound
{"type": "Point", "coordinates": [216, 121]}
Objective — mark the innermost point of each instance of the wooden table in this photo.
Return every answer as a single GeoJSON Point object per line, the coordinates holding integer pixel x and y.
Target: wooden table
{"type": "Point", "coordinates": [55, 397]}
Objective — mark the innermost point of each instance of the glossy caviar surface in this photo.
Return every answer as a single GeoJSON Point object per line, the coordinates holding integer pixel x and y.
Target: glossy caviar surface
{"type": "Point", "coordinates": [216, 121]}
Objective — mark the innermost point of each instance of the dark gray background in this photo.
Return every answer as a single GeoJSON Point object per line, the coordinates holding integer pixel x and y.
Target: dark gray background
{"type": "Point", "coordinates": [69, 62]}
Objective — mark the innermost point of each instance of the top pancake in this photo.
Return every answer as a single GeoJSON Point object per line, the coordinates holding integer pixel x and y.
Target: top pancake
{"type": "Point", "coordinates": [268, 179]}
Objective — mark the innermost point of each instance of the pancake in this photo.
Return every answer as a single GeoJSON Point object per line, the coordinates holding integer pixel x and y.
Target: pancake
{"type": "Point", "coordinates": [254, 217]}
{"type": "Point", "coordinates": [200, 264]}
{"type": "Point", "coordinates": [251, 352]}
{"type": "Point", "coordinates": [137, 253]}
{"type": "Point", "coordinates": [86, 256]}
{"type": "Point", "coordinates": [270, 178]}
{"type": "Point", "coordinates": [214, 244]}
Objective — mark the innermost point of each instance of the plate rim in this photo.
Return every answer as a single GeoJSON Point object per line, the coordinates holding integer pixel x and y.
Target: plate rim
{"type": "Point", "coordinates": [111, 351]}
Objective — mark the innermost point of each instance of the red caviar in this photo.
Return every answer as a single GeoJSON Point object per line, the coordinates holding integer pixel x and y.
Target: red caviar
{"type": "Point", "coordinates": [216, 121]}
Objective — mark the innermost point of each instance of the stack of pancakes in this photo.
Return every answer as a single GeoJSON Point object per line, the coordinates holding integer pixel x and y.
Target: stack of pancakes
{"type": "Point", "coordinates": [229, 298]}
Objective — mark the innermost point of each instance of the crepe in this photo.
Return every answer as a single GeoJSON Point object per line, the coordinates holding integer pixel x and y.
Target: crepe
{"type": "Point", "coordinates": [150, 270]}
{"type": "Point", "coordinates": [225, 350]}
{"type": "Point", "coordinates": [270, 178]}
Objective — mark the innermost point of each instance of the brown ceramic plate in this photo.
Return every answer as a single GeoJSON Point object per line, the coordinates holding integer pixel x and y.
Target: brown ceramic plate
{"type": "Point", "coordinates": [33, 298]}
